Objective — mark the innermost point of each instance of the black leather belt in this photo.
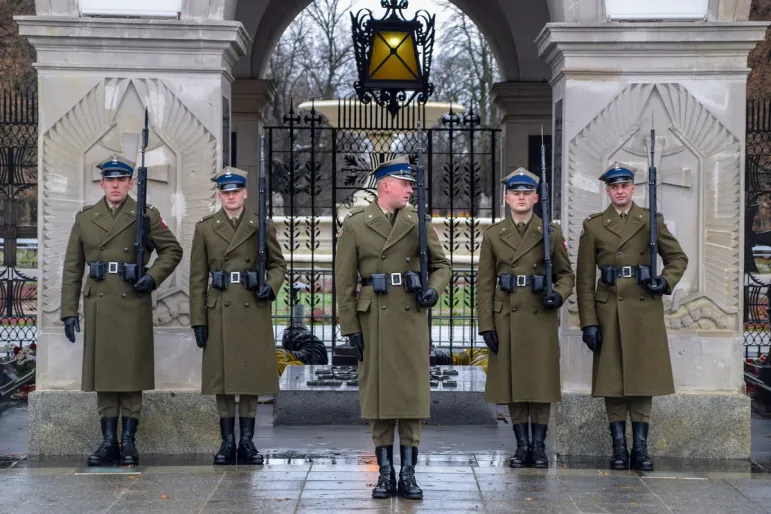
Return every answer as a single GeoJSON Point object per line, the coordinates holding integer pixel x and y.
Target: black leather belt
{"type": "Point", "coordinates": [99, 269]}
{"type": "Point", "coordinates": [221, 279]}
{"type": "Point", "coordinates": [509, 283]}
{"type": "Point", "coordinates": [394, 279]}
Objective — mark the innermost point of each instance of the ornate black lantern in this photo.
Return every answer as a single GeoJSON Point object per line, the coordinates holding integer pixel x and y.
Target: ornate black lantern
{"type": "Point", "coordinates": [393, 55]}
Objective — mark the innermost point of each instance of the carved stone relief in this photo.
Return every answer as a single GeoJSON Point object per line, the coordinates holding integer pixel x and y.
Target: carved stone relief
{"type": "Point", "coordinates": [698, 190]}
{"type": "Point", "coordinates": [181, 158]}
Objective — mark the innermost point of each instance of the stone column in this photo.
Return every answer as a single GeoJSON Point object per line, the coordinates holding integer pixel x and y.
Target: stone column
{"type": "Point", "coordinates": [525, 108]}
{"type": "Point", "coordinates": [611, 83]}
{"type": "Point", "coordinates": [251, 99]}
{"type": "Point", "coordinates": [96, 77]}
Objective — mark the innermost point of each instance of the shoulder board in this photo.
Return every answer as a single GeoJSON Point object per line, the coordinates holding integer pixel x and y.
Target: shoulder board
{"type": "Point", "coordinates": [493, 225]}
{"type": "Point", "coordinates": [149, 207]}
{"type": "Point", "coordinates": [356, 210]}
{"type": "Point", "coordinates": [208, 216]}
{"type": "Point", "coordinates": [86, 207]}
{"type": "Point", "coordinates": [592, 216]}
{"type": "Point", "coordinates": [553, 226]}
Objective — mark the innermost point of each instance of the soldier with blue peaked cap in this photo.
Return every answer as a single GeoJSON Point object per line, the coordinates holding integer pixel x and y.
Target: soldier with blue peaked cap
{"type": "Point", "coordinates": [622, 315]}
{"type": "Point", "coordinates": [231, 316]}
{"type": "Point", "coordinates": [380, 244]}
{"type": "Point", "coordinates": [118, 352]}
{"type": "Point", "coordinates": [518, 320]}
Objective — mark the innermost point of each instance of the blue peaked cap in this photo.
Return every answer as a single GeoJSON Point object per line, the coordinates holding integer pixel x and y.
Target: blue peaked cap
{"type": "Point", "coordinates": [231, 179]}
{"type": "Point", "coordinates": [617, 173]}
{"type": "Point", "coordinates": [116, 167]}
{"type": "Point", "coordinates": [521, 180]}
{"type": "Point", "coordinates": [399, 168]}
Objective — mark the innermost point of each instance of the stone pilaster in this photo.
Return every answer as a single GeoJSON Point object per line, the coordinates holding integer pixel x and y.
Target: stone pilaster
{"type": "Point", "coordinates": [612, 83]}
{"type": "Point", "coordinates": [251, 99]}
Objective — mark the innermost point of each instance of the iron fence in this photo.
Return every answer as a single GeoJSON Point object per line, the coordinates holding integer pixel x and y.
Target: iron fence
{"type": "Point", "coordinates": [319, 168]}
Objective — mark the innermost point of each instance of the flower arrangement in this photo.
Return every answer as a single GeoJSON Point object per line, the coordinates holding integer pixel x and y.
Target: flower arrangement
{"type": "Point", "coordinates": [24, 357]}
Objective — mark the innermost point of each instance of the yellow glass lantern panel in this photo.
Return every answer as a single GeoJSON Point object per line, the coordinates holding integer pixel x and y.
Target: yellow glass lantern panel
{"type": "Point", "coordinates": [385, 65]}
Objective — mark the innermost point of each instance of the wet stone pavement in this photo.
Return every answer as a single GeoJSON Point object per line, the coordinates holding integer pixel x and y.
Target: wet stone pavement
{"type": "Point", "coordinates": [330, 469]}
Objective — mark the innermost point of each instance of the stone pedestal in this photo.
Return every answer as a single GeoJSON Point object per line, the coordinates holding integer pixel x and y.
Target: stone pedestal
{"type": "Point", "coordinates": [301, 404]}
{"type": "Point", "coordinates": [611, 83]}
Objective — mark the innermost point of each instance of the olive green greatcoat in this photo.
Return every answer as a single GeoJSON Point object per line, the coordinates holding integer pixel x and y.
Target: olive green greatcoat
{"type": "Point", "coordinates": [240, 354]}
{"type": "Point", "coordinates": [118, 354]}
{"type": "Point", "coordinates": [526, 367]}
{"type": "Point", "coordinates": [634, 356]}
{"type": "Point", "coordinates": [394, 376]}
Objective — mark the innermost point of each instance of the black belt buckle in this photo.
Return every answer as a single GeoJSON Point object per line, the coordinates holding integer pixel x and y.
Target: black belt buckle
{"type": "Point", "coordinates": [379, 283]}
{"type": "Point", "coordinates": [219, 280]}
{"type": "Point", "coordinates": [412, 282]}
{"type": "Point", "coordinates": [97, 270]}
{"type": "Point", "coordinates": [508, 282]}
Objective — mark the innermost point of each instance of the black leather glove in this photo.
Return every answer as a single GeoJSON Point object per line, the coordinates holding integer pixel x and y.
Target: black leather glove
{"type": "Point", "coordinates": [201, 335]}
{"type": "Point", "coordinates": [593, 337]}
{"type": "Point", "coordinates": [657, 285]}
{"type": "Point", "coordinates": [266, 293]}
{"type": "Point", "coordinates": [491, 340]}
{"type": "Point", "coordinates": [357, 341]}
{"type": "Point", "coordinates": [146, 284]}
{"type": "Point", "coordinates": [552, 301]}
{"type": "Point", "coordinates": [429, 298]}
{"type": "Point", "coordinates": [71, 325]}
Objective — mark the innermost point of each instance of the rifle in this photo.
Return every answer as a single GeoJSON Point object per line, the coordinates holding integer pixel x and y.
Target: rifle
{"type": "Point", "coordinates": [142, 241]}
{"type": "Point", "coordinates": [422, 241]}
{"type": "Point", "coordinates": [545, 213]}
{"type": "Point", "coordinates": [263, 219]}
{"type": "Point", "coordinates": [652, 207]}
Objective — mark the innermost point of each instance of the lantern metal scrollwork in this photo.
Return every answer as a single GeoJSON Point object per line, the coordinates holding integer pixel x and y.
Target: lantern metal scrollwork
{"type": "Point", "coordinates": [393, 55]}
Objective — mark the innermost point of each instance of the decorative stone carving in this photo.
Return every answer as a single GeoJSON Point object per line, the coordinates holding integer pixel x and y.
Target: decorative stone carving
{"type": "Point", "coordinates": [699, 164]}
{"type": "Point", "coordinates": [181, 158]}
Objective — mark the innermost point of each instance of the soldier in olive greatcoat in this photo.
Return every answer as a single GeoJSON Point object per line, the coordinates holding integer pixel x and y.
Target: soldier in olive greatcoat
{"type": "Point", "coordinates": [231, 317]}
{"type": "Point", "coordinates": [118, 359]}
{"type": "Point", "coordinates": [387, 324]}
{"type": "Point", "coordinates": [518, 319]}
{"type": "Point", "coordinates": [622, 315]}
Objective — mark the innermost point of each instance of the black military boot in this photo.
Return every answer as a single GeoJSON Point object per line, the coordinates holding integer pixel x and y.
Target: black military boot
{"type": "Point", "coordinates": [408, 487]}
{"type": "Point", "coordinates": [386, 482]}
{"type": "Point", "coordinates": [226, 456]}
{"type": "Point", "coordinates": [538, 458]}
{"type": "Point", "coordinates": [108, 453]}
{"type": "Point", "coordinates": [620, 459]}
{"type": "Point", "coordinates": [521, 458]}
{"type": "Point", "coordinates": [128, 448]}
{"type": "Point", "coordinates": [639, 457]}
{"type": "Point", "coordinates": [247, 452]}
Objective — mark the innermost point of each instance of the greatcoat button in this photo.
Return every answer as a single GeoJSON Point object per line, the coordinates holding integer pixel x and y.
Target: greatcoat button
{"type": "Point", "coordinates": [227, 259]}
{"type": "Point", "coordinates": [406, 307]}
{"type": "Point", "coordinates": [125, 249]}
{"type": "Point", "coordinates": [101, 247]}
{"type": "Point", "coordinates": [248, 259]}
{"type": "Point", "coordinates": [513, 309]}
{"type": "Point", "coordinates": [123, 295]}
{"type": "Point", "coordinates": [101, 294]}
{"type": "Point", "coordinates": [384, 307]}
{"type": "Point", "coordinates": [407, 259]}
{"type": "Point", "coordinates": [246, 304]}
{"type": "Point", "coordinates": [620, 298]}
{"type": "Point", "coordinates": [382, 257]}
{"type": "Point", "coordinates": [642, 298]}
{"type": "Point", "coordinates": [227, 304]}
{"type": "Point", "coordinates": [619, 252]}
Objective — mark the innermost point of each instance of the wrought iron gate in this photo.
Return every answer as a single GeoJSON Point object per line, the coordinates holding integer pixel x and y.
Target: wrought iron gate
{"type": "Point", "coordinates": [318, 169]}
{"type": "Point", "coordinates": [757, 227]}
{"type": "Point", "coordinates": [18, 227]}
